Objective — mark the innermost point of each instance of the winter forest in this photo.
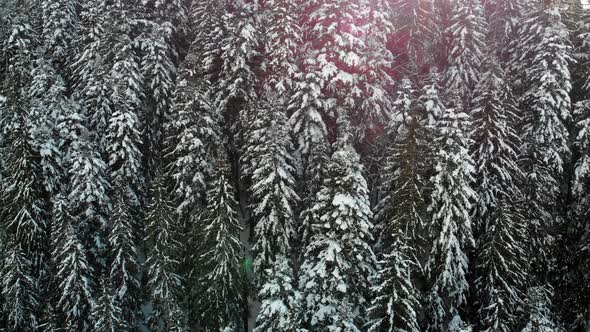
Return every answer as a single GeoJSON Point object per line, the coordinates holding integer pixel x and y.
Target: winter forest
{"type": "Point", "coordinates": [295, 165]}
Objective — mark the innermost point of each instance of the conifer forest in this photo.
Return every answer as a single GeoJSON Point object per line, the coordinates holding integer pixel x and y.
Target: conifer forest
{"type": "Point", "coordinates": [295, 165]}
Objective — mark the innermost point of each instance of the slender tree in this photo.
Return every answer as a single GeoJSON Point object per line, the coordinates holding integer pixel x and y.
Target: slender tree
{"type": "Point", "coordinates": [220, 304]}
{"type": "Point", "coordinates": [450, 226]}
{"type": "Point", "coordinates": [498, 219]}
{"type": "Point", "coordinates": [164, 282]}
{"type": "Point", "coordinates": [335, 282]}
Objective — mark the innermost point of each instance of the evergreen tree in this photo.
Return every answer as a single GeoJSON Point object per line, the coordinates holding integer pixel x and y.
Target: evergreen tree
{"type": "Point", "coordinates": [124, 136]}
{"type": "Point", "coordinates": [310, 135]}
{"type": "Point", "coordinates": [19, 289]}
{"type": "Point", "coordinates": [450, 226]}
{"type": "Point", "coordinates": [281, 304]}
{"type": "Point", "coordinates": [164, 282]}
{"type": "Point", "coordinates": [498, 219]}
{"type": "Point", "coordinates": [87, 199]}
{"type": "Point", "coordinates": [220, 305]}
{"type": "Point", "coordinates": [268, 163]}
{"type": "Point", "coordinates": [123, 287]}
{"type": "Point", "coordinates": [24, 195]}
{"type": "Point", "coordinates": [504, 18]}
{"type": "Point", "coordinates": [545, 81]}
{"type": "Point", "coordinates": [338, 261]}
{"type": "Point", "coordinates": [107, 314]}
{"type": "Point", "coordinates": [413, 21]}
{"type": "Point", "coordinates": [539, 310]}
{"type": "Point", "coordinates": [399, 214]}
{"type": "Point", "coordinates": [59, 28]}
{"type": "Point", "coordinates": [76, 298]}
{"type": "Point", "coordinates": [403, 168]}
{"type": "Point", "coordinates": [395, 303]}
{"type": "Point", "coordinates": [49, 105]}
{"type": "Point", "coordinates": [349, 61]}
{"type": "Point", "coordinates": [159, 72]}
{"type": "Point", "coordinates": [90, 69]}
{"type": "Point", "coordinates": [235, 79]}
{"type": "Point", "coordinates": [192, 135]}
{"type": "Point", "coordinates": [283, 40]}
{"type": "Point", "coordinates": [467, 33]}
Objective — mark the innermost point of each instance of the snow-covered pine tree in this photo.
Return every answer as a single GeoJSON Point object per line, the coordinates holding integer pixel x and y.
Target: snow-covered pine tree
{"type": "Point", "coordinates": [124, 136]}
{"type": "Point", "coordinates": [269, 165]}
{"type": "Point", "coordinates": [107, 313]}
{"type": "Point", "coordinates": [159, 72]}
{"type": "Point", "coordinates": [310, 134]}
{"type": "Point", "coordinates": [19, 289]}
{"type": "Point", "coordinates": [498, 222]}
{"type": "Point", "coordinates": [123, 286]}
{"type": "Point", "coordinates": [90, 68]}
{"type": "Point", "coordinates": [235, 80]}
{"type": "Point", "coordinates": [76, 299]}
{"type": "Point", "coordinates": [467, 33]}
{"type": "Point", "coordinates": [24, 194]}
{"type": "Point", "coordinates": [280, 309]}
{"type": "Point", "coordinates": [542, 65]}
{"type": "Point", "coordinates": [374, 70]}
{"type": "Point", "coordinates": [579, 248]}
{"type": "Point", "coordinates": [403, 166]}
{"type": "Point", "coordinates": [173, 15]}
{"type": "Point", "coordinates": [395, 304]}
{"type": "Point", "coordinates": [88, 200]}
{"type": "Point", "coordinates": [504, 18]}
{"type": "Point", "coordinates": [60, 22]}
{"type": "Point", "coordinates": [338, 261]}
{"type": "Point", "coordinates": [124, 128]}
{"type": "Point", "coordinates": [220, 305]}
{"type": "Point", "coordinates": [496, 145]}
{"type": "Point", "coordinates": [49, 104]}
{"type": "Point", "coordinates": [413, 24]}
{"type": "Point", "coordinates": [281, 43]}
{"type": "Point", "coordinates": [162, 265]}
{"type": "Point", "coordinates": [539, 309]}
{"type": "Point", "coordinates": [450, 207]}
{"type": "Point", "coordinates": [399, 216]}
{"type": "Point", "coordinates": [346, 51]}
{"type": "Point", "coordinates": [192, 137]}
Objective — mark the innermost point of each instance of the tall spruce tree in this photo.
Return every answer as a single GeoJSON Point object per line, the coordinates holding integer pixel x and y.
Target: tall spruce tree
{"type": "Point", "coordinates": [498, 217]}
{"type": "Point", "coordinates": [124, 128]}
{"type": "Point", "coordinates": [338, 261]}
{"type": "Point", "coordinates": [268, 162]}
{"type": "Point", "coordinates": [90, 68]}
{"type": "Point", "coordinates": [19, 289]}
{"type": "Point", "coordinates": [399, 215]}
{"type": "Point", "coordinates": [221, 277]}
{"type": "Point", "coordinates": [450, 204]}
{"type": "Point", "coordinates": [60, 21]}
{"type": "Point", "coordinates": [74, 275]}
{"type": "Point", "coordinates": [162, 265]}
{"type": "Point", "coordinates": [467, 32]}
{"type": "Point", "coordinates": [122, 286]}
{"type": "Point", "coordinates": [413, 21]}
{"type": "Point", "coordinates": [107, 314]}
{"type": "Point", "coordinates": [87, 198]}
{"type": "Point", "coordinates": [542, 65]}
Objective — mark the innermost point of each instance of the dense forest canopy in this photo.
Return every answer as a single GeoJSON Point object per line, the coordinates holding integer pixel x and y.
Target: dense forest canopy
{"type": "Point", "coordinates": [295, 165]}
